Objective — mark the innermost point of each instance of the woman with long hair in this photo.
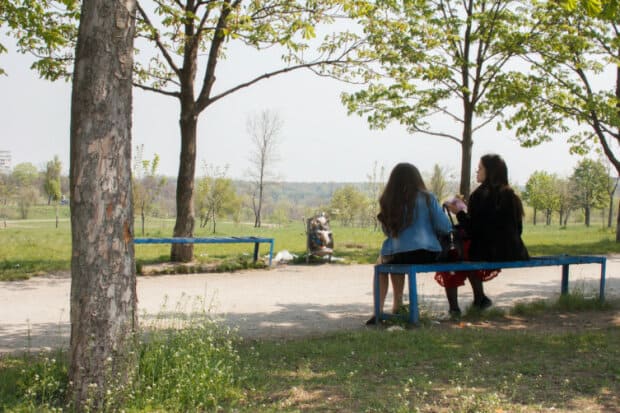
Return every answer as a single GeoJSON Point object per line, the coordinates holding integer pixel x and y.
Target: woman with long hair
{"type": "Point", "coordinates": [493, 220]}
{"type": "Point", "coordinates": [411, 218]}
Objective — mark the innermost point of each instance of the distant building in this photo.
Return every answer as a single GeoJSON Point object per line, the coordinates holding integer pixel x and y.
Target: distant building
{"type": "Point", "coordinates": [5, 162]}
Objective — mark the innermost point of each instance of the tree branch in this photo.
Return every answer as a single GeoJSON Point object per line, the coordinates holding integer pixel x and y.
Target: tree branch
{"type": "Point", "coordinates": [158, 41]}
{"type": "Point", "coordinates": [160, 91]}
{"type": "Point", "coordinates": [415, 128]}
{"type": "Point", "coordinates": [218, 38]}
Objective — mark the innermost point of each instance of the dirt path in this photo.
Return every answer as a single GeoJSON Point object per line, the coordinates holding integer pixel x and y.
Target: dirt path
{"type": "Point", "coordinates": [286, 301]}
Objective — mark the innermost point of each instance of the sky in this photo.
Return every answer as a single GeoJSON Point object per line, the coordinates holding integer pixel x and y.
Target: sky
{"type": "Point", "coordinates": [319, 142]}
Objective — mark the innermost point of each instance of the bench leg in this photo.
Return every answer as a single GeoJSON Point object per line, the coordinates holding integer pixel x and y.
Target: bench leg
{"type": "Point", "coordinates": [270, 252]}
{"type": "Point", "coordinates": [601, 293]}
{"type": "Point", "coordinates": [377, 299]}
{"type": "Point", "coordinates": [414, 315]}
{"type": "Point", "coordinates": [564, 289]}
{"type": "Point", "coordinates": [256, 244]}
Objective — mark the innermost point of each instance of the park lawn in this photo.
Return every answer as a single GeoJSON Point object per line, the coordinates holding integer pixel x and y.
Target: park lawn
{"type": "Point", "coordinates": [559, 357]}
{"type": "Point", "coordinates": [35, 247]}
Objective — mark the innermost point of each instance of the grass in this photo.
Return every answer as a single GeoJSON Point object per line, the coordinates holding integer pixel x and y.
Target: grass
{"type": "Point", "coordinates": [425, 369]}
{"type": "Point", "coordinates": [33, 247]}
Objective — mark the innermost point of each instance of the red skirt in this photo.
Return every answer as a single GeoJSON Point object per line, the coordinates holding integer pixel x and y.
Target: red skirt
{"type": "Point", "coordinates": [450, 279]}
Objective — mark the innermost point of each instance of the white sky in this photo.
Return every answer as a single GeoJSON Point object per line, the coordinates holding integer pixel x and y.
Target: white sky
{"type": "Point", "coordinates": [320, 143]}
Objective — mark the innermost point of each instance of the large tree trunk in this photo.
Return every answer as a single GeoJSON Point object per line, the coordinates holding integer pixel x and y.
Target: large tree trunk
{"type": "Point", "coordinates": [184, 226]}
{"type": "Point", "coordinates": [587, 215]}
{"type": "Point", "coordinates": [103, 278]}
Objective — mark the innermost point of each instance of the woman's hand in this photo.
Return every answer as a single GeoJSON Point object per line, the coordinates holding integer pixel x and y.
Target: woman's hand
{"type": "Point", "coordinates": [455, 205]}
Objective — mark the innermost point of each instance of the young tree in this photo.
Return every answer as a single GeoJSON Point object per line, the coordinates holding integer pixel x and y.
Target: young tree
{"type": "Point", "coordinates": [51, 185]}
{"type": "Point", "coordinates": [590, 184]}
{"type": "Point", "coordinates": [541, 194]}
{"type": "Point", "coordinates": [189, 35]}
{"type": "Point", "coordinates": [24, 175]}
{"type": "Point", "coordinates": [215, 196]}
{"type": "Point", "coordinates": [566, 193]}
{"type": "Point", "coordinates": [350, 204]}
{"type": "Point", "coordinates": [146, 185]}
{"type": "Point", "coordinates": [264, 130]}
{"type": "Point", "coordinates": [438, 62]}
{"type": "Point", "coordinates": [103, 271]}
{"type": "Point", "coordinates": [23, 181]}
{"type": "Point", "coordinates": [376, 183]}
{"type": "Point", "coordinates": [437, 183]}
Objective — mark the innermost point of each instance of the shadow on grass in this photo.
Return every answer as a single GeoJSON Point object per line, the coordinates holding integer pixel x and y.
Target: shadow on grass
{"type": "Point", "coordinates": [452, 370]}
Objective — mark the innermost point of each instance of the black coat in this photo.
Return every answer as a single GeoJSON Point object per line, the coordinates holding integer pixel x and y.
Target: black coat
{"type": "Point", "coordinates": [494, 223]}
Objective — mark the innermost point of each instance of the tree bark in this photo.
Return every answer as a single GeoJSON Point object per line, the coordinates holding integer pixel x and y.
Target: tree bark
{"type": "Point", "coordinates": [185, 221]}
{"type": "Point", "coordinates": [103, 277]}
{"type": "Point", "coordinates": [618, 224]}
{"type": "Point", "coordinates": [610, 214]}
{"type": "Point", "coordinates": [188, 123]}
{"type": "Point", "coordinates": [466, 151]}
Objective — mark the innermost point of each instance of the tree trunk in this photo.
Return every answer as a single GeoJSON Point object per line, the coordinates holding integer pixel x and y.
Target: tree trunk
{"type": "Point", "coordinates": [466, 152]}
{"type": "Point", "coordinates": [534, 216]}
{"type": "Point", "coordinates": [142, 218]}
{"type": "Point", "coordinates": [587, 215]}
{"type": "Point", "coordinates": [103, 277]}
{"type": "Point", "coordinates": [257, 222]}
{"type": "Point", "coordinates": [618, 224]}
{"type": "Point", "coordinates": [610, 214]}
{"type": "Point", "coordinates": [184, 226]}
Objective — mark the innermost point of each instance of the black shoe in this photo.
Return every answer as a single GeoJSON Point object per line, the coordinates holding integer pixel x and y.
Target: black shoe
{"type": "Point", "coordinates": [455, 314]}
{"type": "Point", "coordinates": [371, 321]}
{"type": "Point", "coordinates": [484, 303]}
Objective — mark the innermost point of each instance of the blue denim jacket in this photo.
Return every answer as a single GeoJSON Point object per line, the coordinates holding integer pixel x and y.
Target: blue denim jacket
{"type": "Point", "coordinates": [428, 222]}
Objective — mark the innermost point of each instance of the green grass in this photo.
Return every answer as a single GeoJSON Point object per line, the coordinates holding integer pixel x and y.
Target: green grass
{"type": "Point", "coordinates": [35, 246]}
{"type": "Point", "coordinates": [203, 367]}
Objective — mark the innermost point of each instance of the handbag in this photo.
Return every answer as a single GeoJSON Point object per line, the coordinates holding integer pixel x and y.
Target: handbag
{"type": "Point", "coordinates": [452, 243]}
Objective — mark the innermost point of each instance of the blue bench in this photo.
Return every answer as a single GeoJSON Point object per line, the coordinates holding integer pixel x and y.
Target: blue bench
{"type": "Point", "coordinates": [212, 240]}
{"type": "Point", "coordinates": [413, 269]}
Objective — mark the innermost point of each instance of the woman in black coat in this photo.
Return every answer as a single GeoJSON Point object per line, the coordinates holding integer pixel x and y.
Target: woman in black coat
{"type": "Point", "coordinates": [493, 219]}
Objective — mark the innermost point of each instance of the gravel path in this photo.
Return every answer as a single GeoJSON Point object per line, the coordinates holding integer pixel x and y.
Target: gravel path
{"type": "Point", "coordinates": [282, 302]}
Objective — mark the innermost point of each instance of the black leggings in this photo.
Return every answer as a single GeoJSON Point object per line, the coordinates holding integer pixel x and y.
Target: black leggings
{"type": "Point", "coordinates": [413, 257]}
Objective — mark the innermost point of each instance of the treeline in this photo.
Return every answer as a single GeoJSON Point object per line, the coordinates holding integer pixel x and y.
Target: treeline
{"type": "Point", "coordinates": [549, 198]}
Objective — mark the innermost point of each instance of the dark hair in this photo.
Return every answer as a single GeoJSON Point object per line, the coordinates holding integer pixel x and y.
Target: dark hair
{"type": "Point", "coordinates": [496, 171]}
{"type": "Point", "coordinates": [397, 202]}
{"type": "Point", "coordinates": [496, 178]}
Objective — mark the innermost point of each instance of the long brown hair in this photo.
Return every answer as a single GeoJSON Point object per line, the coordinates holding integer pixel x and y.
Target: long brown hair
{"type": "Point", "coordinates": [496, 178]}
{"type": "Point", "coordinates": [397, 202]}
